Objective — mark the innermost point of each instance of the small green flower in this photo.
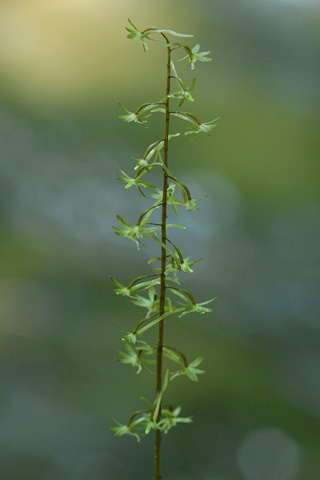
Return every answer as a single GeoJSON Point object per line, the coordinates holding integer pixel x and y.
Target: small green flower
{"type": "Point", "coordinates": [190, 370]}
{"type": "Point", "coordinates": [127, 429]}
{"type": "Point", "coordinates": [185, 265]}
{"type": "Point", "coordinates": [171, 419]}
{"type": "Point", "coordinates": [136, 181]}
{"type": "Point", "coordinates": [130, 337]}
{"type": "Point", "coordinates": [122, 289]}
{"type": "Point", "coordinates": [141, 163]}
{"type": "Point", "coordinates": [151, 303]}
{"type": "Point", "coordinates": [136, 284]}
{"type": "Point", "coordinates": [194, 55]}
{"type": "Point", "coordinates": [134, 116]}
{"type": "Point", "coordinates": [184, 93]}
{"type": "Point", "coordinates": [131, 357]}
{"type": "Point", "coordinates": [168, 420]}
{"type": "Point", "coordinates": [196, 307]}
{"type": "Point", "coordinates": [135, 34]}
{"type": "Point", "coordinates": [191, 204]}
{"type": "Point", "coordinates": [152, 425]}
{"type": "Point", "coordinates": [202, 128]}
{"type": "Point", "coordinates": [136, 357]}
{"type": "Point", "coordinates": [133, 232]}
{"type": "Point", "coordinates": [188, 202]}
{"type": "Point", "coordinates": [171, 200]}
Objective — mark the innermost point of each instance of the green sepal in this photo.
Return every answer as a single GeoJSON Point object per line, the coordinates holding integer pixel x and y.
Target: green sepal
{"type": "Point", "coordinates": [172, 418]}
{"type": "Point", "coordinates": [151, 303]}
{"type": "Point", "coordinates": [122, 289]}
{"type": "Point", "coordinates": [194, 55]}
{"type": "Point", "coordinates": [191, 370]}
{"type": "Point", "coordinates": [135, 356]}
{"type": "Point", "coordinates": [175, 225]}
{"type": "Point", "coordinates": [136, 181]}
{"type": "Point", "coordinates": [123, 429]}
{"type": "Point", "coordinates": [202, 128]}
{"type": "Point", "coordinates": [134, 232]}
{"type": "Point", "coordinates": [197, 307]}
{"type": "Point", "coordinates": [133, 116]}
{"type": "Point", "coordinates": [169, 32]}
{"type": "Point", "coordinates": [136, 284]}
{"type": "Point", "coordinates": [135, 34]}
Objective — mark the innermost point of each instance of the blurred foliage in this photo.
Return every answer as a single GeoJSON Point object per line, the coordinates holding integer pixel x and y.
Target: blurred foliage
{"type": "Point", "coordinates": [64, 67]}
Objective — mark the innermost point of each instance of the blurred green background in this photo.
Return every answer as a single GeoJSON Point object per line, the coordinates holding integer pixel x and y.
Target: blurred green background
{"type": "Point", "coordinates": [65, 65]}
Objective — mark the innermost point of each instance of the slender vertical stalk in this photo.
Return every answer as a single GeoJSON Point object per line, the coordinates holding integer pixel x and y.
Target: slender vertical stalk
{"type": "Point", "coordinates": [163, 264]}
{"type": "Point", "coordinates": [138, 352]}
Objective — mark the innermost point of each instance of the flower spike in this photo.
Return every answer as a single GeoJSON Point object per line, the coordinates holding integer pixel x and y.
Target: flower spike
{"type": "Point", "coordinates": [160, 292]}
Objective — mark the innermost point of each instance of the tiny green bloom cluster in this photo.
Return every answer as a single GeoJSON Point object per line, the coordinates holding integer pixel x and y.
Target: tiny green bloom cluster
{"type": "Point", "coordinates": [159, 292]}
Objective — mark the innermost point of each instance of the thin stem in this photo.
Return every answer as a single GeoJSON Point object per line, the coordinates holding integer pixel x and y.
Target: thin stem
{"type": "Point", "coordinates": [146, 211]}
{"type": "Point", "coordinates": [182, 355]}
{"type": "Point", "coordinates": [139, 412]}
{"type": "Point", "coordinates": [136, 280]}
{"type": "Point", "coordinates": [163, 264]}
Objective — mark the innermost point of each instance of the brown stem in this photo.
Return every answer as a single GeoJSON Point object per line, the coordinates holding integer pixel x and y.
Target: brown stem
{"type": "Point", "coordinates": [163, 264]}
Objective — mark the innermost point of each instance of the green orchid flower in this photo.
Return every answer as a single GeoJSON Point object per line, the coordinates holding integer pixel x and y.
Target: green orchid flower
{"type": "Point", "coordinates": [134, 285]}
{"type": "Point", "coordinates": [202, 128]}
{"type": "Point", "coordinates": [122, 429]}
{"type": "Point", "coordinates": [139, 114]}
{"type": "Point", "coordinates": [134, 116]}
{"type": "Point", "coordinates": [136, 181]}
{"type": "Point", "coordinates": [196, 307]}
{"type": "Point", "coordinates": [172, 418]}
{"type": "Point", "coordinates": [151, 303]}
{"type": "Point", "coordinates": [194, 55]}
{"type": "Point", "coordinates": [183, 265]}
{"type": "Point", "coordinates": [184, 93]}
{"type": "Point", "coordinates": [171, 200]}
{"type": "Point", "coordinates": [190, 370]}
{"type": "Point", "coordinates": [131, 357]}
{"type": "Point", "coordinates": [122, 289]}
{"type": "Point", "coordinates": [136, 356]}
{"type": "Point", "coordinates": [135, 34]}
{"type": "Point", "coordinates": [133, 232]}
